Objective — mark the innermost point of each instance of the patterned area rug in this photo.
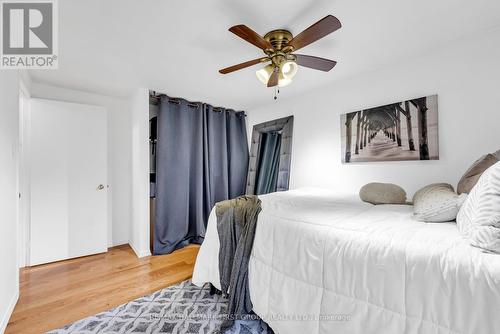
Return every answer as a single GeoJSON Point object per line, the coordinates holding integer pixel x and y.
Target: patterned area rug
{"type": "Point", "coordinates": [179, 309]}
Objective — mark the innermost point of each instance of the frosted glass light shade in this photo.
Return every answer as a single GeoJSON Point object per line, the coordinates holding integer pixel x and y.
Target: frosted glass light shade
{"type": "Point", "coordinates": [289, 69]}
{"type": "Point", "coordinates": [264, 73]}
{"type": "Point", "coordinates": [283, 81]}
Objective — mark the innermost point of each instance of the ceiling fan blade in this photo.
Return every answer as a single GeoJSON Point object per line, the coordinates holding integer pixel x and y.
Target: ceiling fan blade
{"type": "Point", "coordinates": [243, 65]}
{"type": "Point", "coordinates": [318, 30]}
{"type": "Point", "coordinates": [273, 79]}
{"type": "Point", "coordinates": [250, 36]}
{"type": "Point", "coordinates": [316, 63]}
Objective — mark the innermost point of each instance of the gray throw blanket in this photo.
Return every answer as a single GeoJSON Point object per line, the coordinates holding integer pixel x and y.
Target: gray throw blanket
{"type": "Point", "coordinates": [236, 223]}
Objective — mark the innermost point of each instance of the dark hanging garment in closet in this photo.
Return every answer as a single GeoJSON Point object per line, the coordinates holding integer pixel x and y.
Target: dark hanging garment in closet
{"type": "Point", "coordinates": [153, 128]}
{"type": "Point", "coordinates": [202, 158]}
{"type": "Point", "coordinates": [153, 136]}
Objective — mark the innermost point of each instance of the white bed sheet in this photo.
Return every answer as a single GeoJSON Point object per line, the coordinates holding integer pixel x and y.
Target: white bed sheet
{"type": "Point", "coordinates": [327, 263]}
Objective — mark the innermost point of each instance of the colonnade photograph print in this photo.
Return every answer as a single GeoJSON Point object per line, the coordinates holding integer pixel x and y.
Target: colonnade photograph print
{"type": "Point", "coordinates": [400, 131]}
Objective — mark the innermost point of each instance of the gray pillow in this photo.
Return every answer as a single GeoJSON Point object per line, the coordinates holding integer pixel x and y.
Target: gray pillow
{"type": "Point", "coordinates": [437, 203]}
{"type": "Point", "coordinates": [472, 175]}
{"type": "Point", "coordinates": [497, 154]}
{"type": "Point", "coordinates": [382, 193]}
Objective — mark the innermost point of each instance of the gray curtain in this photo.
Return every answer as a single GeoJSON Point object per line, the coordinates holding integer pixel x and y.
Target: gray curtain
{"type": "Point", "coordinates": [268, 168]}
{"type": "Point", "coordinates": [202, 158]}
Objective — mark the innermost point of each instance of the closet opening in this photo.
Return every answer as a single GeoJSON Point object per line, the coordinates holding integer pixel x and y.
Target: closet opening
{"type": "Point", "coordinates": [153, 138]}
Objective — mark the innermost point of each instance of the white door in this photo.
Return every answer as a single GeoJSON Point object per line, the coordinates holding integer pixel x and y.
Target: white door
{"type": "Point", "coordinates": [68, 181]}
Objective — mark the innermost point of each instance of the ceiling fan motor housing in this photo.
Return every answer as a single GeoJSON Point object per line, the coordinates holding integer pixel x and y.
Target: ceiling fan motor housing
{"type": "Point", "coordinates": [278, 38]}
{"type": "Point", "coordinates": [280, 52]}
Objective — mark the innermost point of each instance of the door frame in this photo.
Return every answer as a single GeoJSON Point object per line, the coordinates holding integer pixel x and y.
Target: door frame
{"type": "Point", "coordinates": [24, 185]}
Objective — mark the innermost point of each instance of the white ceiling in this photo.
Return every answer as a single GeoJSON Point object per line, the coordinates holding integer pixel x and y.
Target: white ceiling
{"type": "Point", "coordinates": [177, 46]}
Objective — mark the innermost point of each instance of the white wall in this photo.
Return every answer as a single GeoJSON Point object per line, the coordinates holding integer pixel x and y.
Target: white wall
{"type": "Point", "coordinates": [466, 77]}
{"type": "Point", "coordinates": [139, 232]}
{"type": "Point", "coordinates": [119, 153]}
{"type": "Point", "coordinates": [9, 127]}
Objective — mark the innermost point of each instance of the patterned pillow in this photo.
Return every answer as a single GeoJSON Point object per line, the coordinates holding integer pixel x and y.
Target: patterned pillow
{"type": "Point", "coordinates": [479, 217]}
{"type": "Point", "coordinates": [437, 203]}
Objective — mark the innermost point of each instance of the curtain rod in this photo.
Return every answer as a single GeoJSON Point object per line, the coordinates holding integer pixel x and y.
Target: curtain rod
{"type": "Point", "coordinates": [154, 95]}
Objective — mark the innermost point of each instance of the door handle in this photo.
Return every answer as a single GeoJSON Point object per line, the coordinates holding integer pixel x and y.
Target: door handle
{"type": "Point", "coordinates": [100, 187]}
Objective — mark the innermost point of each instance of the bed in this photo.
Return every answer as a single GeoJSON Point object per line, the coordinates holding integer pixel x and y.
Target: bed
{"type": "Point", "coordinates": [324, 262]}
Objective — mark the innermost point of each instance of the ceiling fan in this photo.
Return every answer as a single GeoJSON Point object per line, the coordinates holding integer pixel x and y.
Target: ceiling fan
{"type": "Point", "coordinates": [279, 46]}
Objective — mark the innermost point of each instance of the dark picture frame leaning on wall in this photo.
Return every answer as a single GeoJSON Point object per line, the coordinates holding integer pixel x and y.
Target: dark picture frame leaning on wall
{"type": "Point", "coordinates": [401, 131]}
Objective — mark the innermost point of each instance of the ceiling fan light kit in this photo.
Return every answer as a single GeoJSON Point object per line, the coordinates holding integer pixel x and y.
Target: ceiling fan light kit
{"type": "Point", "coordinates": [279, 47]}
{"type": "Point", "coordinates": [286, 74]}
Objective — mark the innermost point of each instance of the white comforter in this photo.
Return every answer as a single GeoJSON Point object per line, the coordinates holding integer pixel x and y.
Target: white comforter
{"type": "Point", "coordinates": [363, 268]}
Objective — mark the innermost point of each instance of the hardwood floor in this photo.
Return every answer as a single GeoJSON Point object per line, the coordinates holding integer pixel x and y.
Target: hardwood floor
{"type": "Point", "coordinates": [56, 294]}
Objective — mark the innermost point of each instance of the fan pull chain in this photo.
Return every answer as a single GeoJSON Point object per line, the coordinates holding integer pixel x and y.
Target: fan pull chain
{"type": "Point", "coordinates": [276, 92]}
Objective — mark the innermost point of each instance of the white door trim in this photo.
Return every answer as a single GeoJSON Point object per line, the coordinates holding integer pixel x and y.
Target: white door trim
{"type": "Point", "coordinates": [24, 206]}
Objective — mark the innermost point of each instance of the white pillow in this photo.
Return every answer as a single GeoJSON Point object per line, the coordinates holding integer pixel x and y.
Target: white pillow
{"type": "Point", "coordinates": [479, 217]}
{"type": "Point", "coordinates": [437, 203]}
